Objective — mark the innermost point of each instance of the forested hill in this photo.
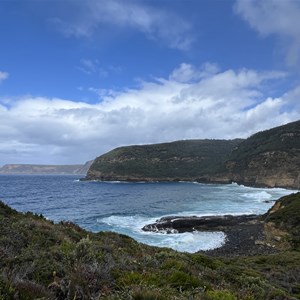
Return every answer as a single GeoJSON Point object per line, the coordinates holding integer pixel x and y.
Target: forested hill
{"type": "Point", "coordinates": [269, 158]}
{"type": "Point", "coordinates": [180, 160]}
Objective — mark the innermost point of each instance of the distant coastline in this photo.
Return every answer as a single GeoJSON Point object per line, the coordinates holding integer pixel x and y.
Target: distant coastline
{"type": "Point", "coordinates": [33, 169]}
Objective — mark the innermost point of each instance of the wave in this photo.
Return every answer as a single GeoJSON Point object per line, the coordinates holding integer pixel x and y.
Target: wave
{"type": "Point", "coordinates": [259, 196]}
{"type": "Point", "coordinates": [190, 242]}
{"type": "Point", "coordinates": [133, 222]}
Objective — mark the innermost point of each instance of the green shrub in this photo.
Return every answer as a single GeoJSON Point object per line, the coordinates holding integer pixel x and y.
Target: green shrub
{"type": "Point", "coordinates": [127, 279]}
{"type": "Point", "coordinates": [205, 261]}
{"type": "Point", "coordinates": [147, 293]}
{"type": "Point", "coordinates": [183, 281]}
{"type": "Point", "coordinates": [219, 295]}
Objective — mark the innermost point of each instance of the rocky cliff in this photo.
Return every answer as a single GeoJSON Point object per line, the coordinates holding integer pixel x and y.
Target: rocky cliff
{"type": "Point", "coordinates": [269, 158]}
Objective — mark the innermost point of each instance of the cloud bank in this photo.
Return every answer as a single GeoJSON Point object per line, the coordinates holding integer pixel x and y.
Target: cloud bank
{"type": "Point", "coordinates": [192, 102]}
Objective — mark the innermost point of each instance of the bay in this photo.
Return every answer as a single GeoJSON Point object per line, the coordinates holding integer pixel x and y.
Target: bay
{"type": "Point", "coordinates": [126, 207]}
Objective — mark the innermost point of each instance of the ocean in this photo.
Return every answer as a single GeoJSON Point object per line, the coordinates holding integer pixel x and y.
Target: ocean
{"type": "Point", "coordinates": [126, 207]}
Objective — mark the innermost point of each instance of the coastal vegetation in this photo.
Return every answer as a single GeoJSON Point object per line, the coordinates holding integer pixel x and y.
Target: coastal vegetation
{"type": "Point", "coordinates": [43, 260]}
{"type": "Point", "coordinates": [180, 160]}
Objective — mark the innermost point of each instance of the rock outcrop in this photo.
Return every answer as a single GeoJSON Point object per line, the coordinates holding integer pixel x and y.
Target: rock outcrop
{"type": "Point", "coordinates": [192, 223]}
{"type": "Point", "coordinates": [278, 229]}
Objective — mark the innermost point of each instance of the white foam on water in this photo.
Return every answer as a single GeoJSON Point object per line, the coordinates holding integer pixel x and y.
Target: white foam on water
{"type": "Point", "coordinates": [190, 242]}
{"type": "Point", "coordinates": [234, 200]}
{"type": "Point", "coordinates": [133, 222]}
{"type": "Point", "coordinates": [266, 194]}
{"type": "Point", "coordinates": [105, 181]}
{"type": "Point", "coordinates": [259, 196]}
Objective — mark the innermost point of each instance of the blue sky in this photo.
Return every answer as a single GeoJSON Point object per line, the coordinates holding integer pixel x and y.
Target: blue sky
{"type": "Point", "coordinates": [78, 78]}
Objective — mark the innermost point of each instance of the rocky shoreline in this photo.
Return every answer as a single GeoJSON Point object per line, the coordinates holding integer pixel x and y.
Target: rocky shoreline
{"type": "Point", "coordinates": [245, 234]}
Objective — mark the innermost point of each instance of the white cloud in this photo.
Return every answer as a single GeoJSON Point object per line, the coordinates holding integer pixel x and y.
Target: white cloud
{"type": "Point", "coordinates": [156, 24]}
{"type": "Point", "coordinates": [3, 76]}
{"type": "Point", "coordinates": [88, 66]}
{"type": "Point", "coordinates": [275, 17]}
{"type": "Point", "coordinates": [189, 73]}
{"type": "Point", "coordinates": [223, 104]}
{"type": "Point", "coordinates": [291, 100]}
{"type": "Point", "coordinates": [93, 66]}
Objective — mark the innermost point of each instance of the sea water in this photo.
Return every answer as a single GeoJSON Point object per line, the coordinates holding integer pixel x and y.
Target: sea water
{"type": "Point", "coordinates": [126, 207]}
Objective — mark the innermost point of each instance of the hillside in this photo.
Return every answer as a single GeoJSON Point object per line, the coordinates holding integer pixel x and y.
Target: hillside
{"type": "Point", "coordinates": [268, 158]}
{"type": "Point", "coordinates": [181, 160]}
{"type": "Point", "coordinates": [284, 216]}
{"type": "Point", "coordinates": [43, 260]}
{"type": "Point", "coordinates": [45, 169]}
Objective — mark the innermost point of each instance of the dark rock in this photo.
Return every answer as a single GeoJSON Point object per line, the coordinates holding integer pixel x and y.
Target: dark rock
{"type": "Point", "coordinates": [208, 223]}
{"type": "Point", "coordinates": [244, 234]}
{"type": "Point", "coordinates": [269, 201]}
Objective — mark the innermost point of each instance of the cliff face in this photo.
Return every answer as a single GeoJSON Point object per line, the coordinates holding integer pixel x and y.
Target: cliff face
{"type": "Point", "coordinates": [269, 158]}
{"type": "Point", "coordinates": [83, 169]}
{"type": "Point", "coordinates": [282, 221]}
{"type": "Point", "coordinates": [181, 160]}
{"type": "Point", "coordinates": [271, 169]}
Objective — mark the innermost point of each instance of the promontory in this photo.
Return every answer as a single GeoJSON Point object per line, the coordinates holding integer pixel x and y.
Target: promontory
{"type": "Point", "coordinates": [269, 158]}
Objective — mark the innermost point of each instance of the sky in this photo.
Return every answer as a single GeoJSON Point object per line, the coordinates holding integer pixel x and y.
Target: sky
{"type": "Point", "coordinates": [81, 77]}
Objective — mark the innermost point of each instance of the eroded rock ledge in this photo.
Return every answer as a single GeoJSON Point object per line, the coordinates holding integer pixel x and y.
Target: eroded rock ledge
{"type": "Point", "coordinates": [245, 234]}
{"type": "Point", "coordinates": [191, 223]}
